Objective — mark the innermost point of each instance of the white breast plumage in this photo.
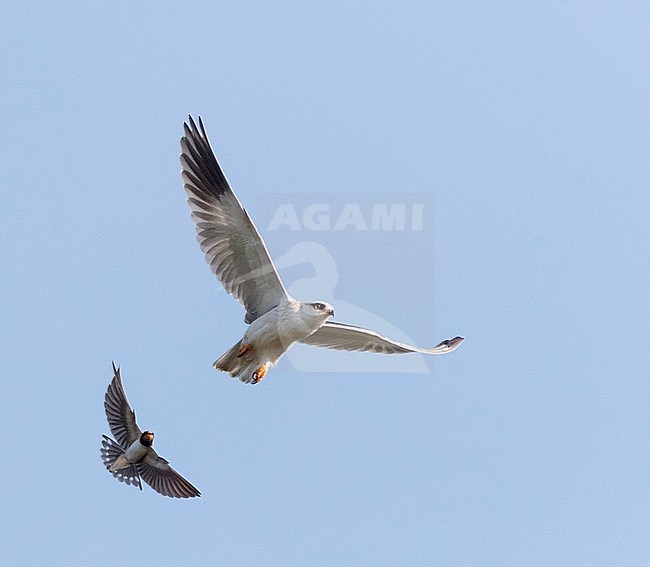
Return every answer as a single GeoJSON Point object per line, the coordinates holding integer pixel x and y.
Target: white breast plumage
{"type": "Point", "coordinates": [136, 452]}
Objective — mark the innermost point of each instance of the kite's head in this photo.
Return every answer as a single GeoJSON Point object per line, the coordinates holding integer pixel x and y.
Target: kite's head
{"type": "Point", "coordinates": [322, 309]}
{"type": "Point", "coordinates": [313, 316]}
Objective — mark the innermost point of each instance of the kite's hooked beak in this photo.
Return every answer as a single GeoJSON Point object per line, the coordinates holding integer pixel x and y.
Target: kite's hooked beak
{"type": "Point", "coordinates": [331, 312]}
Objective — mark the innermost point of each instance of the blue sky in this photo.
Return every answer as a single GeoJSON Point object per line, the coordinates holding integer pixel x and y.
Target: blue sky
{"type": "Point", "coordinates": [523, 128]}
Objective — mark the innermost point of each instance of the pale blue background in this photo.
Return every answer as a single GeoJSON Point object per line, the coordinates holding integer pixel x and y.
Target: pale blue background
{"type": "Point", "coordinates": [528, 123]}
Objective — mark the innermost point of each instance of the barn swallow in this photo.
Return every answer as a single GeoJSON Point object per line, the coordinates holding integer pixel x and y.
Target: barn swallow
{"type": "Point", "coordinates": [132, 456]}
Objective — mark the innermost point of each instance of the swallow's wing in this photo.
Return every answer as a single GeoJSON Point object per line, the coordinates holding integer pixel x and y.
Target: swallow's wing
{"type": "Point", "coordinates": [111, 451]}
{"type": "Point", "coordinates": [232, 245]}
{"type": "Point", "coordinates": [121, 418]}
{"type": "Point", "coordinates": [348, 337]}
{"type": "Point", "coordinates": [157, 473]}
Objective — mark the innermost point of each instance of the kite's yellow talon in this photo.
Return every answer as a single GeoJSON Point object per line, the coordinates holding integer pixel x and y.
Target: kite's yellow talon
{"type": "Point", "coordinates": [260, 373]}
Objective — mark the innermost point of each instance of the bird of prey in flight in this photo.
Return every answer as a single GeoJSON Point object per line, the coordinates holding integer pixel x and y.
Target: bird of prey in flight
{"type": "Point", "coordinates": [132, 456]}
{"type": "Point", "coordinates": [238, 256]}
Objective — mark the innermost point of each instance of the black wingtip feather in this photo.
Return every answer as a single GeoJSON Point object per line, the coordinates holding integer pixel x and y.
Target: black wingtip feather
{"type": "Point", "coordinates": [201, 159]}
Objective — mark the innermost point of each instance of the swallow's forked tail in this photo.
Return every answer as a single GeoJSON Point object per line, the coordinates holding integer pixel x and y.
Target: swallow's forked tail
{"type": "Point", "coordinates": [111, 452]}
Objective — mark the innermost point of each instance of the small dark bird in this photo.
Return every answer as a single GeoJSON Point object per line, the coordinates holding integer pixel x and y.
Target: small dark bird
{"type": "Point", "coordinates": [132, 455]}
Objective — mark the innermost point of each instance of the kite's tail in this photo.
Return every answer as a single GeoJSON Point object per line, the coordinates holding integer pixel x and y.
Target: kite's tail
{"type": "Point", "coordinates": [231, 362]}
{"type": "Point", "coordinates": [241, 367]}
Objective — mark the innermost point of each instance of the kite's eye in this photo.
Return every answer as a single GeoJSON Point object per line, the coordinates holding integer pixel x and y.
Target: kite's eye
{"type": "Point", "coordinates": [319, 306]}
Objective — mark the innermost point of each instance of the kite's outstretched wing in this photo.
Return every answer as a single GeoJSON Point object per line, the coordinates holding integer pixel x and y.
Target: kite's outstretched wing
{"type": "Point", "coordinates": [348, 337]}
{"type": "Point", "coordinates": [232, 245]}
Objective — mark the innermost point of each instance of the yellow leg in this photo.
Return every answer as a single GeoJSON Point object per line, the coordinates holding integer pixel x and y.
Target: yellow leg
{"type": "Point", "coordinates": [259, 374]}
